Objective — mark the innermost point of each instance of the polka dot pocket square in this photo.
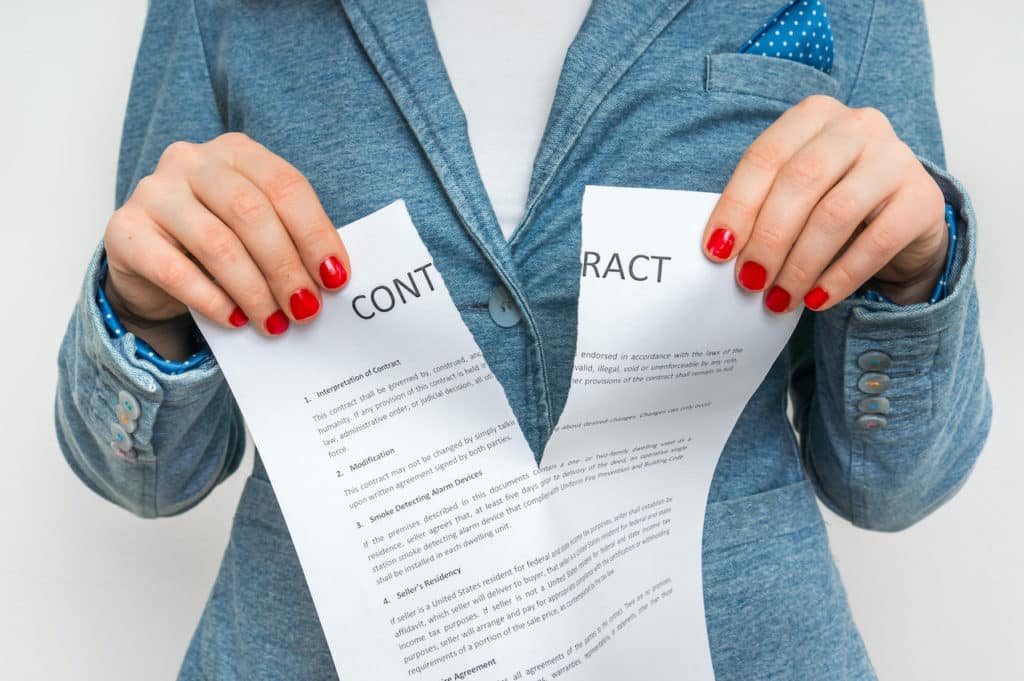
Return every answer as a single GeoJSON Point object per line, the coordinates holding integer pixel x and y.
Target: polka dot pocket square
{"type": "Point", "coordinates": [799, 31]}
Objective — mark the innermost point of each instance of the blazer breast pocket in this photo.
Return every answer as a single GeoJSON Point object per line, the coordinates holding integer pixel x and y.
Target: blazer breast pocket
{"type": "Point", "coordinates": [771, 78]}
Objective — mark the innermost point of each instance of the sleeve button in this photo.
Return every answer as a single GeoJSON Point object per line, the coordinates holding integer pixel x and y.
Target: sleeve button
{"type": "Point", "coordinates": [121, 437]}
{"type": "Point", "coordinates": [873, 383]}
{"type": "Point", "coordinates": [127, 402]}
{"type": "Point", "coordinates": [874, 360]}
{"type": "Point", "coordinates": [874, 405]}
{"type": "Point", "coordinates": [872, 422]}
{"type": "Point", "coordinates": [124, 417]}
{"type": "Point", "coordinates": [128, 454]}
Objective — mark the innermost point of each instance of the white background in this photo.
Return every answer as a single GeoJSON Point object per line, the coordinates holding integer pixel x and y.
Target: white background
{"type": "Point", "coordinates": [88, 591]}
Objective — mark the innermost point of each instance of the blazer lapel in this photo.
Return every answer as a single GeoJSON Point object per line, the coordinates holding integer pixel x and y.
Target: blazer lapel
{"type": "Point", "coordinates": [399, 41]}
{"type": "Point", "coordinates": [613, 36]}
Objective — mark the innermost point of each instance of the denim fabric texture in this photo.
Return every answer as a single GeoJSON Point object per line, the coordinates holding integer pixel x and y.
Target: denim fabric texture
{"type": "Point", "coordinates": [652, 94]}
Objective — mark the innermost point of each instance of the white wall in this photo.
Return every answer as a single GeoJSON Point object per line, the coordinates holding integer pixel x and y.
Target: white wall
{"type": "Point", "coordinates": [89, 592]}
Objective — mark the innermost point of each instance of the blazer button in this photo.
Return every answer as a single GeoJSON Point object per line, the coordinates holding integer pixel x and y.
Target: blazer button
{"type": "Point", "coordinates": [872, 422]}
{"type": "Point", "coordinates": [874, 405]}
{"type": "Point", "coordinates": [503, 309]}
{"type": "Point", "coordinates": [127, 401]}
{"type": "Point", "coordinates": [873, 383]}
{"type": "Point", "coordinates": [874, 360]}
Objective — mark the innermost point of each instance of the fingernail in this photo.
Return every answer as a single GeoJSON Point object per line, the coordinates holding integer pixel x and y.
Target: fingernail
{"type": "Point", "coordinates": [332, 272]}
{"type": "Point", "coordinates": [277, 323]}
{"type": "Point", "coordinates": [304, 304]}
{"type": "Point", "coordinates": [238, 317]}
{"type": "Point", "coordinates": [777, 299]}
{"type": "Point", "coordinates": [753, 276]}
{"type": "Point", "coordinates": [816, 298]}
{"type": "Point", "coordinates": [721, 242]}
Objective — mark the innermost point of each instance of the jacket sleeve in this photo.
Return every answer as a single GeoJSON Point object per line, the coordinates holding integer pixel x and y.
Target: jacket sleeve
{"type": "Point", "coordinates": [150, 441]}
{"type": "Point", "coordinates": [887, 471]}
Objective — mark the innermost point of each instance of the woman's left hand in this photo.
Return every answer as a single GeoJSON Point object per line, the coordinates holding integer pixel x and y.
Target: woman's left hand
{"type": "Point", "coordinates": [826, 199]}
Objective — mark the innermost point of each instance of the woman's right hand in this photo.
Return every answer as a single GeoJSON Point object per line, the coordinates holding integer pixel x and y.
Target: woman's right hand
{"type": "Point", "coordinates": [229, 229]}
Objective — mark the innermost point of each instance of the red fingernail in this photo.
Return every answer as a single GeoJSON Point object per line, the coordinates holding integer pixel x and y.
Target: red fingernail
{"type": "Point", "coordinates": [238, 317]}
{"type": "Point", "coordinates": [816, 298]}
{"type": "Point", "coordinates": [752, 276]}
{"type": "Point", "coordinates": [777, 299]}
{"type": "Point", "coordinates": [277, 323]}
{"type": "Point", "coordinates": [332, 272]}
{"type": "Point", "coordinates": [721, 242]}
{"type": "Point", "coordinates": [304, 303]}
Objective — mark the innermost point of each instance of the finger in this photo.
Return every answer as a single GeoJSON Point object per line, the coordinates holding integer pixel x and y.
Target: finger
{"type": "Point", "coordinates": [734, 214]}
{"type": "Point", "coordinates": [318, 242]}
{"type": "Point", "coordinates": [799, 185]}
{"type": "Point", "coordinates": [157, 261]}
{"type": "Point", "coordinates": [243, 207]}
{"type": "Point", "coordinates": [218, 251]}
{"type": "Point", "coordinates": [875, 246]}
{"type": "Point", "coordinates": [832, 223]}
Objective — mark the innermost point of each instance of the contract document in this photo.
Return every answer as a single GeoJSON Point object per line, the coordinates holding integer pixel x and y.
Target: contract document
{"type": "Point", "coordinates": [433, 544]}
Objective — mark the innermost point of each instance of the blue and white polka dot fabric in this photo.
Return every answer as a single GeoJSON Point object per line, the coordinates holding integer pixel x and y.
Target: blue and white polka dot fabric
{"type": "Point", "coordinates": [942, 287]}
{"type": "Point", "coordinates": [142, 348]}
{"type": "Point", "coordinates": [800, 31]}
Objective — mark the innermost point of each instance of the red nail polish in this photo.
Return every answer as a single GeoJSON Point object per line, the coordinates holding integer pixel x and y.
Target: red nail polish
{"type": "Point", "coordinates": [816, 298]}
{"type": "Point", "coordinates": [277, 323]}
{"type": "Point", "coordinates": [332, 272]}
{"type": "Point", "coordinates": [752, 276]}
{"type": "Point", "coordinates": [777, 299]}
{"type": "Point", "coordinates": [238, 317]}
{"type": "Point", "coordinates": [721, 242]}
{"type": "Point", "coordinates": [304, 304]}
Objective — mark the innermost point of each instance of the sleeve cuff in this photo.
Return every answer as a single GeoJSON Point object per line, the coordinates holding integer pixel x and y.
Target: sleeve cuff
{"type": "Point", "coordinates": [941, 288]}
{"type": "Point", "coordinates": [945, 310]}
{"type": "Point", "coordinates": [144, 349]}
{"type": "Point", "coordinates": [126, 357]}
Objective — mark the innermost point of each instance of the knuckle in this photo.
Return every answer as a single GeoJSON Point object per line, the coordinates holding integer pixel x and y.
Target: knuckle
{"type": "Point", "coordinates": [218, 244]}
{"type": "Point", "coordinates": [233, 139]}
{"type": "Point", "coordinates": [283, 270]}
{"type": "Point", "coordinates": [284, 184]}
{"type": "Point", "coordinates": [769, 238]}
{"type": "Point", "coordinates": [146, 189]}
{"type": "Point", "coordinates": [869, 117]}
{"type": "Point", "coordinates": [178, 152]}
{"type": "Point", "coordinates": [764, 156]}
{"type": "Point", "coordinates": [170, 275]}
{"type": "Point", "coordinates": [797, 272]}
{"type": "Point", "coordinates": [837, 209]}
{"type": "Point", "coordinates": [843, 277]}
{"type": "Point", "coordinates": [737, 207]}
{"type": "Point", "coordinates": [120, 224]}
{"type": "Point", "coordinates": [881, 244]}
{"type": "Point", "coordinates": [248, 204]}
{"type": "Point", "coordinates": [804, 171]}
{"type": "Point", "coordinates": [258, 297]}
{"type": "Point", "coordinates": [818, 102]}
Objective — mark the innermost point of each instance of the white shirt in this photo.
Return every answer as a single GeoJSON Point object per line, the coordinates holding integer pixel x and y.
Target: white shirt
{"type": "Point", "coordinates": [503, 59]}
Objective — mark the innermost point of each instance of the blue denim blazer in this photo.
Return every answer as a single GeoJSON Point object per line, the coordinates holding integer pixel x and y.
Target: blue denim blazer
{"type": "Point", "coordinates": [653, 94]}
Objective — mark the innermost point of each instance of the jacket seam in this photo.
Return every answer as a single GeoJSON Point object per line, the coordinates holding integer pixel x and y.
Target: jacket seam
{"type": "Point", "coordinates": [206, 60]}
{"type": "Point", "coordinates": [863, 53]}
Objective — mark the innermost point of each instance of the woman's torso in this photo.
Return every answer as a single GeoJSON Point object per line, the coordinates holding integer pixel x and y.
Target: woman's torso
{"type": "Point", "coordinates": [359, 101]}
